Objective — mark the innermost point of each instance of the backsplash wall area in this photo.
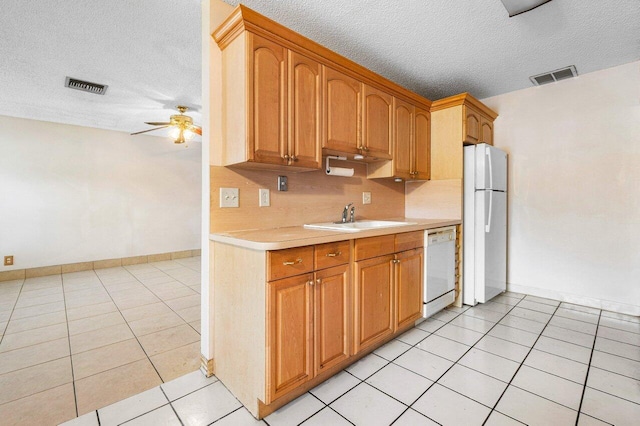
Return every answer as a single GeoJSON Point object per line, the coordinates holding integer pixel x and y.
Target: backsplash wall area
{"type": "Point", "coordinates": [312, 197]}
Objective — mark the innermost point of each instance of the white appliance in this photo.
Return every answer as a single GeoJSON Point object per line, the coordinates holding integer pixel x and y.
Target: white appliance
{"type": "Point", "coordinates": [439, 269]}
{"type": "Point", "coordinates": [484, 223]}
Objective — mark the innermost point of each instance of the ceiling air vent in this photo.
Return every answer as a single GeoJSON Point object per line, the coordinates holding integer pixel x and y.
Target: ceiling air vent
{"type": "Point", "coordinates": [85, 86]}
{"type": "Point", "coordinates": [557, 75]}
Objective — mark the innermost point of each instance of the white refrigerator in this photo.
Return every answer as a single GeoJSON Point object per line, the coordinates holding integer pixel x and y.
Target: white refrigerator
{"type": "Point", "coordinates": [484, 223]}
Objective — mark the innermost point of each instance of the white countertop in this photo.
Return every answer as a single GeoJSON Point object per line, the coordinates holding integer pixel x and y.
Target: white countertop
{"type": "Point", "coordinates": [297, 236]}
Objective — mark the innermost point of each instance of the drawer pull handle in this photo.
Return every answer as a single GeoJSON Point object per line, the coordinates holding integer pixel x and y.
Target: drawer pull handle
{"type": "Point", "coordinates": [336, 254]}
{"type": "Point", "coordinates": [293, 262]}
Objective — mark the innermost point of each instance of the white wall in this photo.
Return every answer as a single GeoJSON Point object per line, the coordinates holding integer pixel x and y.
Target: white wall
{"type": "Point", "coordinates": [574, 181]}
{"type": "Point", "coordinates": [71, 194]}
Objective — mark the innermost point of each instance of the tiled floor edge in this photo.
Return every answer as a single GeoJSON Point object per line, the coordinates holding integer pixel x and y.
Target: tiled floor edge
{"type": "Point", "coordinates": [20, 274]}
{"type": "Point", "coordinates": [619, 307]}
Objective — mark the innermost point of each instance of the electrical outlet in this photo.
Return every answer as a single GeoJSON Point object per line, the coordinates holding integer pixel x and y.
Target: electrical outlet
{"type": "Point", "coordinates": [8, 260]}
{"type": "Point", "coordinates": [229, 197]}
{"type": "Point", "coordinates": [264, 198]}
{"type": "Point", "coordinates": [366, 198]}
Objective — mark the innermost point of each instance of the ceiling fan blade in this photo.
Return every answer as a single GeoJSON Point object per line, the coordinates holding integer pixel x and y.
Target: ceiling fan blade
{"type": "Point", "coordinates": [149, 130]}
{"type": "Point", "coordinates": [157, 123]}
{"type": "Point", "coordinates": [196, 129]}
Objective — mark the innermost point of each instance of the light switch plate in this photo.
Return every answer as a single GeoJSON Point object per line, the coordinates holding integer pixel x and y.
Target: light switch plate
{"type": "Point", "coordinates": [229, 197]}
{"type": "Point", "coordinates": [366, 198]}
{"type": "Point", "coordinates": [264, 199]}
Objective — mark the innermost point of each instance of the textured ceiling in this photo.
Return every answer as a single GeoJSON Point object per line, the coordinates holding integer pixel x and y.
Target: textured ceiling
{"type": "Point", "coordinates": [148, 51]}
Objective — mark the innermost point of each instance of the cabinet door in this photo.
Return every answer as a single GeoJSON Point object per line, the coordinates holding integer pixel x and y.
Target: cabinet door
{"type": "Point", "coordinates": [403, 139]}
{"type": "Point", "coordinates": [290, 334]}
{"type": "Point", "coordinates": [486, 130]}
{"type": "Point", "coordinates": [377, 124]}
{"type": "Point", "coordinates": [374, 318]}
{"type": "Point", "coordinates": [471, 126]}
{"type": "Point", "coordinates": [422, 145]}
{"type": "Point", "coordinates": [409, 286]}
{"type": "Point", "coordinates": [342, 112]}
{"type": "Point", "coordinates": [305, 97]}
{"type": "Point", "coordinates": [331, 319]}
{"type": "Point", "coordinates": [267, 101]}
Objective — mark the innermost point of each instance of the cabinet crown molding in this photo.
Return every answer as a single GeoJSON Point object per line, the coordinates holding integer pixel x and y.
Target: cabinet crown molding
{"type": "Point", "coordinates": [463, 99]}
{"type": "Point", "coordinates": [245, 19]}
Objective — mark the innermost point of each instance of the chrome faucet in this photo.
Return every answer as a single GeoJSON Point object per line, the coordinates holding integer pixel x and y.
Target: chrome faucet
{"type": "Point", "coordinates": [352, 217]}
{"type": "Point", "coordinates": [345, 212]}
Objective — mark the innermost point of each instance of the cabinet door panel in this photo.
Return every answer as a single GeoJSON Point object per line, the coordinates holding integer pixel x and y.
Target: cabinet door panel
{"type": "Point", "coordinates": [331, 317]}
{"type": "Point", "coordinates": [267, 95]}
{"type": "Point", "coordinates": [377, 130]}
{"type": "Point", "coordinates": [290, 334]}
{"type": "Point", "coordinates": [471, 125]}
{"type": "Point", "coordinates": [486, 131]}
{"type": "Point", "coordinates": [305, 97]}
{"type": "Point", "coordinates": [342, 111]}
{"type": "Point", "coordinates": [374, 317]}
{"type": "Point", "coordinates": [403, 138]}
{"type": "Point", "coordinates": [409, 286]}
{"type": "Point", "coordinates": [422, 141]}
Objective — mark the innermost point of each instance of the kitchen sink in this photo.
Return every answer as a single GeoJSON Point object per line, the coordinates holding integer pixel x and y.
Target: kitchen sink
{"type": "Point", "coordinates": [358, 225]}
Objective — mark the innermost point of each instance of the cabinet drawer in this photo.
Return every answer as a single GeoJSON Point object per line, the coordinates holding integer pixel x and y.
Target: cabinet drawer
{"type": "Point", "coordinates": [409, 240]}
{"type": "Point", "coordinates": [374, 246]}
{"type": "Point", "coordinates": [331, 254]}
{"type": "Point", "coordinates": [289, 262]}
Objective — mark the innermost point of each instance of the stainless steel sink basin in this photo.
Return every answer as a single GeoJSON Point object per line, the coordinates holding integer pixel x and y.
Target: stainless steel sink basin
{"type": "Point", "coordinates": [358, 225]}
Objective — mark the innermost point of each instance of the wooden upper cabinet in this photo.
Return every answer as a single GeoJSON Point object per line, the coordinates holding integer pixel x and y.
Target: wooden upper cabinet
{"type": "Point", "coordinates": [486, 130]}
{"type": "Point", "coordinates": [342, 112]}
{"type": "Point", "coordinates": [422, 147]}
{"type": "Point", "coordinates": [305, 111]}
{"type": "Point", "coordinates": [403, 133]}
{"type": "Point", "coordinates": [290, 334]}
{"type": "Point", "coordinates": [471, 126]}
{"type": "Point", "coordinates": [268, 96]}
{"type": "Point", "coordinates": [377, 124]}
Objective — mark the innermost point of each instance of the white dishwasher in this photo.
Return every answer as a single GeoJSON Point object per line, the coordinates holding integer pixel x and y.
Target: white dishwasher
{"type": "Point", "coordinates": [439, 269]}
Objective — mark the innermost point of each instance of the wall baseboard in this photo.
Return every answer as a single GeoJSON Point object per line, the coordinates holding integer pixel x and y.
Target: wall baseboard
{"type": "Point", "coordinates": [21, 274]}
{"type": "Point", "coordinates": [607, 305]}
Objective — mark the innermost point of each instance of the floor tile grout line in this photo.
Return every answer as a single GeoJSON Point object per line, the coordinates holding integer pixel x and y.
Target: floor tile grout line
{"type": "Point", "coordinates": [615, 396]}
{"type": "Point", "coordinates": [518, 369]}
{"type": "Point", "coordinates": [135, 337]}
{"type": "Point", "coordinates": [163, 301]}
{"type": "Point", "coordinates": [584, 389]}
{"type": "Point", "coordinates": [4, 333]}
{"type": "Point", "coordinates": [73, 376]}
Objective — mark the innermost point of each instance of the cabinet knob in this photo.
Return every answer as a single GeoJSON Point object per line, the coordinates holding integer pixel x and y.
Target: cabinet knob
{"type": "Point", "coordinates": [286, 157]}
{"type": "Point", "coordinates": [318, 281]}
{"type": "Point", "coordinates": [292, 262]}
{"type": "Point", "coordinates": [366, 149]}
{"type": "Point", "coordinates": [336, 254]}
{"type": "Point", "coordinates": [310, 282]}
{"type": "Point", "coordinates": [396, 261]}
{"type": "Point", "coordinates": [294, 158]}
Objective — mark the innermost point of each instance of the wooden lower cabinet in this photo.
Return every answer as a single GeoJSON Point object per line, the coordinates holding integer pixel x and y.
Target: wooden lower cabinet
{"type": "Point", "coordinates": [286, 320]}
{"type": "Point", "coordinates": [409, 288]}
{"type": "Point", "coordinates": [373, 294]}
{"type": "Point", "coordinates": [331, 317]}
{"type": "Point", "coordinates": [308, 324]}
{"type": "Point", "coordinates": [290, 333]}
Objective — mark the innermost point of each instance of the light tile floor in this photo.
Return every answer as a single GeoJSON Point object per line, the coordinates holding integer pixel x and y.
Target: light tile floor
{"type": "Point", "coordinates": [515, 360]}
{"type": "Point", "coordinates": [77, 342]}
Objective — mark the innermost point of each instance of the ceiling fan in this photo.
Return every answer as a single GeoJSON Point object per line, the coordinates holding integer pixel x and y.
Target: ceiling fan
{"type": "Point", "coordinates": [183, 127]}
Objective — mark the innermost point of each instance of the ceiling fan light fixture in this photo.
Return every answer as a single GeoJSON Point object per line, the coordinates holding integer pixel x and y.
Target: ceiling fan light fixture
{"type": "Point", "coordinates": [516, 7]}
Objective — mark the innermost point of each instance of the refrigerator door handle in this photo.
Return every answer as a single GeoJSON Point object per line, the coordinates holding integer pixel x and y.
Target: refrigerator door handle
{"type": "Point", "coordinates": [488, 151]}
{"type": "Point", "coordinates": [487, 227]}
